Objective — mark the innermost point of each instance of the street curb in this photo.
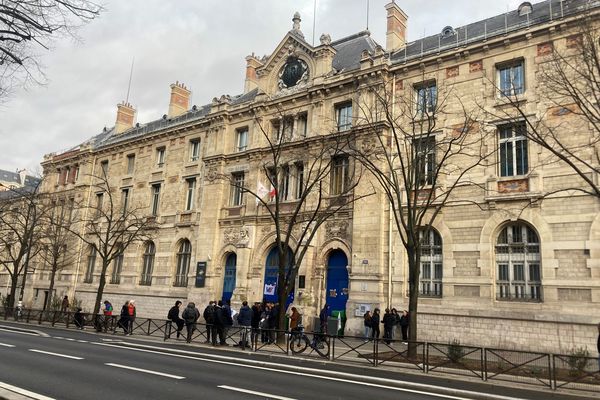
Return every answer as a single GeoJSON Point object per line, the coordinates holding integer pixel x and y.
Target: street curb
{"type": "Point", "coordinates": [8, 395]}
{"type": "Point", "coordinates": [17, 329]}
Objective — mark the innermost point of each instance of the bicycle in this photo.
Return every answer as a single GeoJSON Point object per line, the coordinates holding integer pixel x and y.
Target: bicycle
{"type": "Point", "coordinates": [299, 342]}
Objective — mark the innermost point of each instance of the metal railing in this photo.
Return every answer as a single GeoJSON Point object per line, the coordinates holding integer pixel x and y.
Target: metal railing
{"type": "Point", "coordinates": [554, 371]}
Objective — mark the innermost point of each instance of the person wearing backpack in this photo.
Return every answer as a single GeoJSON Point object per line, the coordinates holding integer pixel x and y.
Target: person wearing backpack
{"type": "Point", "coordinates": [107, 310]}
{"type": "Point", "coordinates": [173, 316]}
{"type": "Point", "coordinates": [367, 323]}
{"type": "Point", "coordinates": [244, 319]}
{"type": "Point", "coordinates": [209, 317]}
{"type": "Point", "coordinates": [190, 316]}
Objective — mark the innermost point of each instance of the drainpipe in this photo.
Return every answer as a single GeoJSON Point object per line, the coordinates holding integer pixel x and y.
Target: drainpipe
{"type": "Point", "coordinates": [391, 208]}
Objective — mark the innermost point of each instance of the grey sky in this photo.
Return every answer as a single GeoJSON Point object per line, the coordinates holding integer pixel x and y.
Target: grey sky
{"type": "Point", "coordinates": [200, 43]}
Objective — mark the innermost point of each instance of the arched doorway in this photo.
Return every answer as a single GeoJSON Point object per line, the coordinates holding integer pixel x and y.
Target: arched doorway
{"type": "Point", "coordinates": [229, 278]}
{"type": "Point", "coordinates": [271, 275]}
{"type": "Point", "coordinates": [337, 282]}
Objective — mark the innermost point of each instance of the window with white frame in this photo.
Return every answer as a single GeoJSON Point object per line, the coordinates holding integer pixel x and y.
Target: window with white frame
{"type": "Point", "coordinates": [237, 189]}
{"type": "Point", "coordinates": [424, 160]}
{"type": "Point", "coordinates": [426, 98]}
{"type": "Point", "coordinates": [125, 200]}
{"type": "Point", "coordinates": [513, 150]}
{"type": "Point", "coordinates": [511, 78]}
{"type": "Point", "coordinates": [430, 281]}
{"type": "Point", "coordinates": [160, 157]}
{"type": "Point", "coordinates": [190, 193]}
{"type": "Point", "coordinates": [518, 264]}
{"type": "Point", "coordinates": [241, 139]}
{"type": "Point", "coordinates": [340, 168]}
{"type": "Point", "coordinates": [343, 116]}
{"type": "Point", "coordinates": [194, 150]}
{"type": "Point", "coordinates": [99, 204]}
{"type": "Point", "coordinates": [155, 200]}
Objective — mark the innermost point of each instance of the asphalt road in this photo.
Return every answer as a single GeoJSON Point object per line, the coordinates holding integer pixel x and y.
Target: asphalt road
{"type": "Point", "coordinates": [74, 365]}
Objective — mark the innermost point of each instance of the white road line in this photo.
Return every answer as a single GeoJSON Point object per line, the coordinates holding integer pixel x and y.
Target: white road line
{"type": "Point", "coordinates": [264, 395]}
{"type": "Point", "coordinates": [58, 337]}
{"type": "Point", "coordinates": [423, 389]}
{"type": "Point", "coordinates": [82, 341]}
{"type": "Point", "coordinates": [7, 345]}
{"type": "Point", "coordinates": [56, 354]}
{"type": "Point", "coordinates": [24, 392]}
{"type": "Point", "coordinates": [147, 371]}
{"type": "Point", "coordinates": [20, 332]}
{"type": "Point", "coordinates": [70, 340]}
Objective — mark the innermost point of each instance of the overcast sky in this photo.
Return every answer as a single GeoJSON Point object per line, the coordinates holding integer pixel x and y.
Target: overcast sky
{"type": "Point", "coordinates": [200, 43]}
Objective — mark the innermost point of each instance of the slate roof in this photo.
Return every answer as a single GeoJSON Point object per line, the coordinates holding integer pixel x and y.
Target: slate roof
{"type": "Point", "coordinates": [498, 25]}
{"type": "Point", "coordinates": [14, 177]}
{"type": "Point", "coordinates": [349, 50]}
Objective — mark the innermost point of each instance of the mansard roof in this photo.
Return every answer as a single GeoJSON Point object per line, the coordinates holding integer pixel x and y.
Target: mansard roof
{"type": "Point", "coordinates": [349, 50]}
{"type": "Point", "coordinates": [512, 21]}
{"type": "Point", "coordinates": [15, 177]}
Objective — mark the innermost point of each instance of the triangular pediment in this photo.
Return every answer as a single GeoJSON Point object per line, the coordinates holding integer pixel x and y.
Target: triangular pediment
{"type": "Point", "coordinates": [292, 44]}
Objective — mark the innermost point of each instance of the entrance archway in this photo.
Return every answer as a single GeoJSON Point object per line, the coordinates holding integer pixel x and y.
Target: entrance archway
{"type": "Point", "coordinates": [271, 275]}
{"type": "Point", "coordinates": [337, 281]}
{"type": "Point", "coordinates": [229, 278]}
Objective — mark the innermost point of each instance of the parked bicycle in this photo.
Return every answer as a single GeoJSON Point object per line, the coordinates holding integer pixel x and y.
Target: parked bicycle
{"type": "Point", "coordinates": [299, 342]}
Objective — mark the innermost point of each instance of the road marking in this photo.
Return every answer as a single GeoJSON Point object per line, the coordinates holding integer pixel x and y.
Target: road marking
{"type": "Point", "coordinates": [70, 340]}
{"type": "Point", "coordinates": [7, 345]}
{"type": "Point", "coordinates": [30, 333]}
{"type": "Point", "coordinates": [147, 371]}
{"type": "Point", "coordinates": [82, 341]}
{"type": "Point", "coordinates": [56, 354]}
{"type": "Point", "coordinates": [24, 392]}
{"type": "Point", "coordinates": [264, 395]}
{"type": "Point", "coordinates": [419, 387]}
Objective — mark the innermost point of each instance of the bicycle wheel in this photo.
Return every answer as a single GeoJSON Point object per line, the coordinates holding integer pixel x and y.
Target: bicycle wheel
{"type": "Point", "coordinates": [299, 343]}
{"type": "Point", "coordinates": [322, 348]}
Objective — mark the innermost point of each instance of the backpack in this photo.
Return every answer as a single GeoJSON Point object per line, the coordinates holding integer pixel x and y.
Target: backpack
{"type": "Point", "coordinates": [189, 315]}
{"type": "Point", "coordinates": [209, 314]}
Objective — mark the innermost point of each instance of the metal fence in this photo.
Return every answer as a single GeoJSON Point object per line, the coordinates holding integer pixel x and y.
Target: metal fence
{"type": "Point", "coordinates": [577, 371]}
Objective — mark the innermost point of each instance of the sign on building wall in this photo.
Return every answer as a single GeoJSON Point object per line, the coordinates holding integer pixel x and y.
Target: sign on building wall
{"type": "Point", "coordinates": [200, 274]}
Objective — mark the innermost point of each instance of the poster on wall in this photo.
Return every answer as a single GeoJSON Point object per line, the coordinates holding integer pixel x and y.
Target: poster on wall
{"type": "Point", "coordinates": [270, 289]}
{"type": "Point", "coordinates": [200, 274]}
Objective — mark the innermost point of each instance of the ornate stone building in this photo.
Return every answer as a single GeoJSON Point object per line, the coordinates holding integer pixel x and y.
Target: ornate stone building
{"type": "Point", "coordinates": [503, 269]}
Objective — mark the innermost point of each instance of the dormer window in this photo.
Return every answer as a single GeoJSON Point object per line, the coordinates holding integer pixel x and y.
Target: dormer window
{"type": "Point", "coordinates": [447, 32]}
{"type": "Point", "coordinates": [524, 9]}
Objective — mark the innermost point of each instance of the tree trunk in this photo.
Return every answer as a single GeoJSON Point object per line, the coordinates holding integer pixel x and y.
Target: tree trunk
{"type": "Point", "coordinates": [13, 290]}
{"type": "Point", "coordinates": [101, 285]}
{"type": "Point", "coordinates": [24, 282]}
{"type": "Point", "coordinates": [413, 300]}
{"type": "Point", "coordinates": [51, 287]}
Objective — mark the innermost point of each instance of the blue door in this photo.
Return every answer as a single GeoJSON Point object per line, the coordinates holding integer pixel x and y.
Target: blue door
{"type": "Point", "coordinates": [271, 275]}
{"type": "Point", "coordinates": [337, 281]}
{"type": "Point", "coordinates": [229, 279]}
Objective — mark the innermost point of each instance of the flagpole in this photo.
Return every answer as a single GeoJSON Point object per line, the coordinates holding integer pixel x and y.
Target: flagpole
{"type": "Point", "coordinates": [314, 22]}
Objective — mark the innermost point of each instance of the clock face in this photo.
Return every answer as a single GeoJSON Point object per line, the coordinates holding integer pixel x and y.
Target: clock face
{"type": "Point", "coordinates": [293, 71]}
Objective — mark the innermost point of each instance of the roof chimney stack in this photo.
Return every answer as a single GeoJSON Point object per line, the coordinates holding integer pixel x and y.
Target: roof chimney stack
{"type": "Point", "coordinates": [252, 63]}
{"type": "Point", "coordinates": [396, 27]}
{"type": "Point", "coordinates": [125, 117]}
{"type": "Point", "coordinates": [180, 100]}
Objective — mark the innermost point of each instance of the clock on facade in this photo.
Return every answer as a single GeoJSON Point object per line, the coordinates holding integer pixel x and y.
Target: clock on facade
{"type": "Point", "coordinates": [294, 71]}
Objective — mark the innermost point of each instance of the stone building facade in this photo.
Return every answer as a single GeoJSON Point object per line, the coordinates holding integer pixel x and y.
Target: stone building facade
{"type": "Point", "coordinates": [506, 268]}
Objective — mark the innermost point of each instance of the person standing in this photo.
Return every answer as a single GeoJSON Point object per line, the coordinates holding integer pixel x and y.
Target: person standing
{"type": "Point", "coordinates": [220, 323]}
{"type": "Point", "coordinates": [323, 315]}
{"type": "Point", "coordinates": [173, 316]}
{"type": "Point", "coordinates": [244, 319]}
{"type": "Point", "coordinates": [255, 323]}
{"type": "Point", "coordinates": [79, 320]}
{"type": "Point", "coordinates": [375, 324]}
{"type": "Point", "coordinates": [124, 320]}
{"type": "Point", "coordinates": [132, 312]}
{"type": "Point", "coordinates": [405, 323]}
{"type": "Point", "coordinates": [107, 310]}
{"type": "Point", "coordinates": [367, 323]}
{"type": "Point", "coordinates": [227, 319]}
{"type": "Point", "coordinates": [389, 320]}
{"type": "Point", "coordinates": [190, 316]}
{"type": "Point", "coordinates": [64, 306]}
{"type": "Point", "coordinates": [209, 318]}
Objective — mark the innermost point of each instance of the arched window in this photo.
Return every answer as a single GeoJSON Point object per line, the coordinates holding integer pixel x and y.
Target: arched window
{"type": "Point", "coordinates": [431, 264]}
{"type": "Point", "coordinates": [518, 264]}
{"type": "Point", "coordinates": [89, 272]}
{"type": "Point", "coordinates": [183, 263]}
{"type": "Point", "coordinates": [148, 266]}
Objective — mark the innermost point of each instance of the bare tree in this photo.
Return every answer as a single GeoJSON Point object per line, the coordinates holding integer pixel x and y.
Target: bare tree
{"type": "Point", "coordinates": [21, 214]}
{"type": "Point", "coordinates": [566, 122]}
{"type": "Point", "coordinates": [109, 224]}
{"type": "Point", "coordinates": [419, 162]}
{"type": "Point", "coordinates": [325, 185]}
{"type": "Point", "coordinates": [27, 26]}
{"type": "Point", "coordinates": [58, 251]}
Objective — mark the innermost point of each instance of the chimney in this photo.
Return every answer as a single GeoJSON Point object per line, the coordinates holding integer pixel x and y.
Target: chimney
{"type": "Point", "coordinates": [252, 63]}
{"type": "Point", "coordinates": [125, 117]}
{"type": "Point", "coordinates": [180, 100]}
{"type": "Point", "coordinates": [396, 27]}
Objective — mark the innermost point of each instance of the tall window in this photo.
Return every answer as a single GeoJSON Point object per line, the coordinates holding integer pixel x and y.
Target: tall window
{"type": "Point", "coordinates": [160, 157]}
{"type": "Point", "coordinates": [125, 200]}
{"type": "Point", "coordinates": [148, 267]}
{"type": "Point", "coordinates": [99, 204]}
{"type": "Point", "coordinates": [241, 139]}
{"type": "Point", "coordinates": [431, 264]}
{"type": "Point", "coordinates": [299, 179]}
{"type": "Point", "coordinates": [284, 189]}
{"type": "Point", "coordinates": [424, 160]}
{"type": "Point", "coordinates": [426, 98]}
{"type": "Point", "coordinates": [91, 263]}
{"type": "Point", "coordinates": [513, 150]}
{"type": "Point", "coordinates": [130, 164]}
{"type": "Point", "coordinates": [288, 128]}
{"type": "Point", "coordinates": [155, 204]}
{"type": "Point", "coordinates": [183, 263]}
{"type": "Point", "coordinates": [190, 193]}
{"type": "Point", "coordinates": [194, 150]}
{"type": "Point", "coordinates": [115, 277]}
{"type": "Point", "coordinates": [511, 79]}
{"type": "Point", "coordinates": [339, 174]}
{"type": "Point", "coordinates": [237, 189]}
{"type": "Point", "coordinates": [343, 114]}
{"type": "Point", "coordinates": [302, 125]}
{"type": "Point", "coordinates": [518, 261]}
{"type": "Point", "coordinates": [104, 168]}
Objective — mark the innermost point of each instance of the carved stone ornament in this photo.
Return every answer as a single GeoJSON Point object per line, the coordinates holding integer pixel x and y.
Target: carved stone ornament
{"type": "Point", "coordinates": [238, 237]}
{"type": "Point", "coordinates": [293, 73]}
{"type": "Point", "coordinates": [325, 39]}
{"type": "Point", "coordinates": [211, 174]}
{"type": "Point", "coordinates": [336, 229]}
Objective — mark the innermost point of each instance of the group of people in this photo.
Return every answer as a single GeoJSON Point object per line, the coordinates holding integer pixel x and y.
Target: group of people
{"type": "Point", "coordinates": [391, 319]}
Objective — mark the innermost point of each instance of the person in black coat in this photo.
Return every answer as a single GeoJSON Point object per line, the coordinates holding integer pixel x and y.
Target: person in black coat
{"type": "Point", "coordinates": [389, 320]}
{"type": "Point", "coordinates": [190, 316]}
{"type": "Point", "coordinates": [405, 323]}
{"type": "Point", "coordinates": [220, 322]}
{"type": "Point", "coordinates": [255, 323]}
{"type": "Point", "coordinates": [124, 320]}
{"type": "Point", "coordinates": [323, 315]}
{"type": "Point", "coordinates": [244, 319]}
{"type": "Point", "coordinates": [173, 315]}
{"type": "Point", "coordinates": [375, 318]}
{"type": "Point", "coordinates": [209, 315]}
{"type": "Point", "coordinates": [79, 320]}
